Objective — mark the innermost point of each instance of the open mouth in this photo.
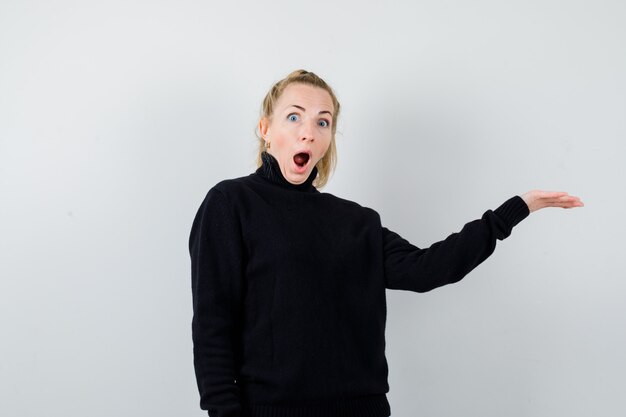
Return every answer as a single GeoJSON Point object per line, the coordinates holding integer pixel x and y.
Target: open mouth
{"type": "Point", "coordinates": [301, 159]}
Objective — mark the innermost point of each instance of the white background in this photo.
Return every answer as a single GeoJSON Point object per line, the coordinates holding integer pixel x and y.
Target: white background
{"type": "Point", "coordinates": [117, 117]}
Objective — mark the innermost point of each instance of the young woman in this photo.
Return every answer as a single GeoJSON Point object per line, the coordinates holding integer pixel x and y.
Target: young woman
{"type": "Point", "coordinates": [289, 283]}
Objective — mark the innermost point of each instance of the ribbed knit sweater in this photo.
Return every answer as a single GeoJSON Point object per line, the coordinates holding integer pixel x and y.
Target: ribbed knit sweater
{"type": "Point", "coordinates": [288, 289]}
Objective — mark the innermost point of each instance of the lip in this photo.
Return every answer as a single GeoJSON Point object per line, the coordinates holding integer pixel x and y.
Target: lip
{"type": "Point", "coordinates": [306, 151]}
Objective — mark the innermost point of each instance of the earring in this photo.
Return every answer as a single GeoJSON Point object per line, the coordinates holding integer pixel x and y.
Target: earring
{"type": "Point", "coordinates": [267, 144]}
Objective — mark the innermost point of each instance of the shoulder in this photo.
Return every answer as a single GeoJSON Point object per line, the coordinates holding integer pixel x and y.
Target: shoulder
{"type": "Point", "coordinates": [229, 188]}
{"type": "Point", "coordinates": [223, 198]}
{"type": "Point", "coordinates": [350, 205]}
{"type": "Point", "coordinates": [232, 184]}
{"type": "Point", "coordinates": [220, 196]}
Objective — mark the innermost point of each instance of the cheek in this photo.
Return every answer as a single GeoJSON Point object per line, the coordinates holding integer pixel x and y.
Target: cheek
{"type": "Point", "coordinates": [284, 133]}
{"type": "Point", "coordinates": [323, 148]}
{"type": "Point", "coordinates": [280, 136]}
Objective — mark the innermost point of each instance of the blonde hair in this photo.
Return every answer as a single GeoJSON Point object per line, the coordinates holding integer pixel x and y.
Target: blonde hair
{"type": "Point", "coordinates": [327, 164]}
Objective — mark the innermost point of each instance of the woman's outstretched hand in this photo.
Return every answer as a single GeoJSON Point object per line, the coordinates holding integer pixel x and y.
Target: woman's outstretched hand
{"type": "Point", "coordinates": [537, 199]}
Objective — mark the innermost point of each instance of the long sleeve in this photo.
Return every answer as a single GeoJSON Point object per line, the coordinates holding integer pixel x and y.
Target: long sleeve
{"type": "Point", "coordinates": [216, 251]}
{"type": "Point", "coordinates": [408, 267]}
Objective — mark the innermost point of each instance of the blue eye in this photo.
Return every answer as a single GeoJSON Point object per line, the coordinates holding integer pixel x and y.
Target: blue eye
{"type": "Point", "coordinates": [324, 123]}
{"type": "Point", "coordinates": [291, 117]}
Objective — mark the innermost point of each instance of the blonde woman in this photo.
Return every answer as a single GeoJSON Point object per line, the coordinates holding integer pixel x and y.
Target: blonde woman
{"type": "Point", "coordinates": [289, 283]}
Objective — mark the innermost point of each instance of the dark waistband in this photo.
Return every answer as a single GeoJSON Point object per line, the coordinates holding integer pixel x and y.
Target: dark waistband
{"type": "Point", "coordinates": [365, 406]}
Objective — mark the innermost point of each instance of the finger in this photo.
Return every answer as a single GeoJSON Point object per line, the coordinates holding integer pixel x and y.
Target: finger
{"type": "Point", "coordinates": [563, 201]}
{"type": "Point", "coordinates": [571, 203]}
{"type": "Point", "coordinates": [567, 198]}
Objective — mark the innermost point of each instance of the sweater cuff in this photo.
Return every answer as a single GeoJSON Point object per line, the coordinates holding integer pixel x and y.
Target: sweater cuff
{"type": "Point", "coordinates": [513, 211]}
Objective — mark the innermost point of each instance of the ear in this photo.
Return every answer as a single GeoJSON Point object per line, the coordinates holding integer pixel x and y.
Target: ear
{"type": "Point", "coordinates": [264, 126]}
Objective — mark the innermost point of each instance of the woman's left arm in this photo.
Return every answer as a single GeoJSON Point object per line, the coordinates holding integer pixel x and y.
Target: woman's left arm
{"type": "Point", "coordinates": [408, 267]}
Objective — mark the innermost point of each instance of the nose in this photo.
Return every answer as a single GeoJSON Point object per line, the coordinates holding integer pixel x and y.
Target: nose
{"type": "Point", "coordinates": [308, 131]}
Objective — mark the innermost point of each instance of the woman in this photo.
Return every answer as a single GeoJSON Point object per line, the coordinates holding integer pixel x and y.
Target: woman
{"type": "Point", "coordinates": [289, 283]}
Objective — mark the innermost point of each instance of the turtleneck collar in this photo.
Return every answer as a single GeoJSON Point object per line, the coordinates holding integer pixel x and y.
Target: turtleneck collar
{"type": "Point", "coordinates": [270, 171]}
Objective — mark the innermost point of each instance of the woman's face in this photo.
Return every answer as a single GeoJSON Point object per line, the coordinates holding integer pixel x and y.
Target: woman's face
{"type": "Point", "coordinates": [301, 123]}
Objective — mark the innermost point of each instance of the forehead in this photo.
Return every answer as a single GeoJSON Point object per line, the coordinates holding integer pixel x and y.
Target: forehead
{"type": "Point", "coordinates": [306, 96]}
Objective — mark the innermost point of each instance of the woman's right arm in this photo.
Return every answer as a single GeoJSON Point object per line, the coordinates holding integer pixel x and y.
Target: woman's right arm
{"type": "Point", "coordinates": [215, 247]}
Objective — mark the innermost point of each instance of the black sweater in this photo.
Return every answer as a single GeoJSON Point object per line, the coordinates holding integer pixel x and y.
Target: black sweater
{"type": "Point", "coordinates": [288, 290]}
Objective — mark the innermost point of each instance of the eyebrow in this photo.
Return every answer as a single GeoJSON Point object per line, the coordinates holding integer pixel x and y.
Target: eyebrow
{"type": "Point", "coordinates": [303, 109]}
